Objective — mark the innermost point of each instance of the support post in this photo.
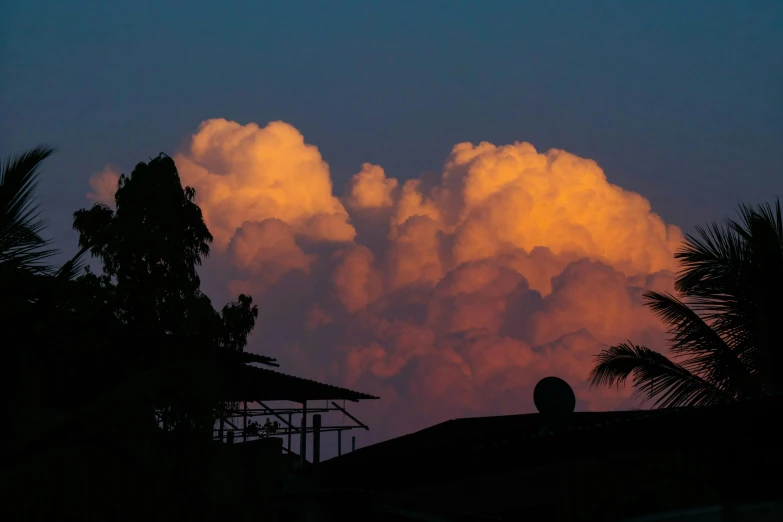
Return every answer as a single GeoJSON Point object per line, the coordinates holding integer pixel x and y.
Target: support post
{"type": "Point", "coordinates": [222, 425]}
{"type": "Point", "coordinates": [353, 444]}
{"type": "Point", "coordinates": [339, 442]}
{"type": "Point", "coordinates": [290, 429]}
{"type": "Point", "coordinates": [316, 439]}
{"type": "Point", "coordinates": [303, 436]}
{"type": "Point", "coordinates": [244, 423]}
{"type": "Point", "coordinates": [230, 437]}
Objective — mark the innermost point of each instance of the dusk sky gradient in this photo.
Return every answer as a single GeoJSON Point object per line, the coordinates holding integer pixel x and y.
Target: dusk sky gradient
{"type": "Point", "coordinates": [681, 102]}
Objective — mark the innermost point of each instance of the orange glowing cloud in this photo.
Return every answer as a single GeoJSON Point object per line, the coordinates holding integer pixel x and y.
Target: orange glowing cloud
{"type": "Point", "coordinates": [245, 173]}
{"type": "Point", "coordinates": [267, 250]}
{"type": "Point", "coordinates": [455, 297]}
{"type": "Point", "coordinates": [104, 186]}
{"type": "Point", "coordinates": [370, 188]}
{"type": "Point", "coordinates": [497, 199]}
{"type": "Point", "coordinates": [356, 282]}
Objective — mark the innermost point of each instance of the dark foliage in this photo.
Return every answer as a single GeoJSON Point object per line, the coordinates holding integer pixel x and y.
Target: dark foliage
{"type": "Point", "coordinates": [109, 379]}
{"type": "Point", "coordinates": [150, 248]}
{"type": "Point", "coordinates": [21, 246]}
{"type": "Point", "coordinates": [723, 330]}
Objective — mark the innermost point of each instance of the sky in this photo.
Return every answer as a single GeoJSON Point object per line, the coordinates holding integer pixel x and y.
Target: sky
{"type": "Point", "coordinates": [660, 116]}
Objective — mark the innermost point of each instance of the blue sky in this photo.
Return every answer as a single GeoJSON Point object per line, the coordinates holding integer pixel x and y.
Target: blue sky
{"type": "Point", "coordinates": [680, 101]}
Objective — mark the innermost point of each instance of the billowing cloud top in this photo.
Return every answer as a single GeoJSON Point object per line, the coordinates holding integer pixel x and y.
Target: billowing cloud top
{"type": "Point", "coordinates": [447, 299]}
{"type": "Point", "coordinates": [514, 197]}
{"type": "Point", "coordinates": [244, 173]}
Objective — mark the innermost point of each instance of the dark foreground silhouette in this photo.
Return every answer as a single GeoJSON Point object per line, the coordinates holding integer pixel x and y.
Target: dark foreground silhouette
{"type": "Point", "coordinates": [113, 385]}
{"type": "Point", "coordinates": [112, 381]}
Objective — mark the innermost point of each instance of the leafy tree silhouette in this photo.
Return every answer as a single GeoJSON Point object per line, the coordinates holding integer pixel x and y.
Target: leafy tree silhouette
{"type": "Point", "coordinates": [724, 332]}
{"type": "Point", "coordinates": [90, 360]}
{"type": "Point", "coordinates": [56, 369]}
{"type": "Point", "coordinates": [150, 248]}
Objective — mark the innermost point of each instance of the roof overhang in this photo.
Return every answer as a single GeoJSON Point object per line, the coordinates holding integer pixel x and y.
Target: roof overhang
{"type": "Point", "coordinates": [252, 384]}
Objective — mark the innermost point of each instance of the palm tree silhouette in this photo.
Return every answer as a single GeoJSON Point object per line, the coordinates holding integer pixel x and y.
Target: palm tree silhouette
{"type": "Point", "coordinates": [23, 252]}
{"type": "Point", "coordinates": [724, 331]}
{"type": "Point", "coordinates": [21, 245]}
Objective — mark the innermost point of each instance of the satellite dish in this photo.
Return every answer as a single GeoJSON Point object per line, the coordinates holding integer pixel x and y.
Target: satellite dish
{"type": "Point", "coordinates": [553, 396]}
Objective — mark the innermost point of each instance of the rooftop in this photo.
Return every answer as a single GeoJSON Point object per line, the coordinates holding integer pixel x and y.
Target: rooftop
{"type": "Point", "coordinates": [249, 383]}
{"type": "Point", "coordinates": [498, 442]}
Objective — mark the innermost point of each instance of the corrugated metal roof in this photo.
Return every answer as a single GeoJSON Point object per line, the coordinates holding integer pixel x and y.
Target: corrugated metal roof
{"type": "Point", "coordinates": [248, 383]}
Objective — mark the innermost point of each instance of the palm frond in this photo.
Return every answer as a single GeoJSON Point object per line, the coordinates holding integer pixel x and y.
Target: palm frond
{"type": "Point", "coordinates": [761, 230]}
{"type": "Point", "coordinates": [733, 277]}
{"type": "Point", "coordinates": [709, 261]}
{"type": "Point", "coordinates": [20, 223]}
{"type": "Point", "coordinates": [654, 376]}
{"type": "Point", "coordinates": [772, 218]}
{"type": "Point", "coordinates": [73, 267]}
{"type": "Point", "coordinates": [722, 328]}
{"type": "Point", "coordinates": [703, 350]}
{"type": "Point", "coordinates": [751, 217]}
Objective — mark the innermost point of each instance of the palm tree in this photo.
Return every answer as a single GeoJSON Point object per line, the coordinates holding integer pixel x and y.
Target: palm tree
{"type": "Point", "coordinates": [23, 252]}
{"type": "Point", "coordinates": [29, 284]}
{"type": "Point", "coordinates": [21, 246]}
{"type": "Point", "coordinates": [725, 339]}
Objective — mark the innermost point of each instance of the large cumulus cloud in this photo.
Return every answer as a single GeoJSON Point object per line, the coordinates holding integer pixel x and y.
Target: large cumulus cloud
{"type": "Point", "coordinates": [446, 299]}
